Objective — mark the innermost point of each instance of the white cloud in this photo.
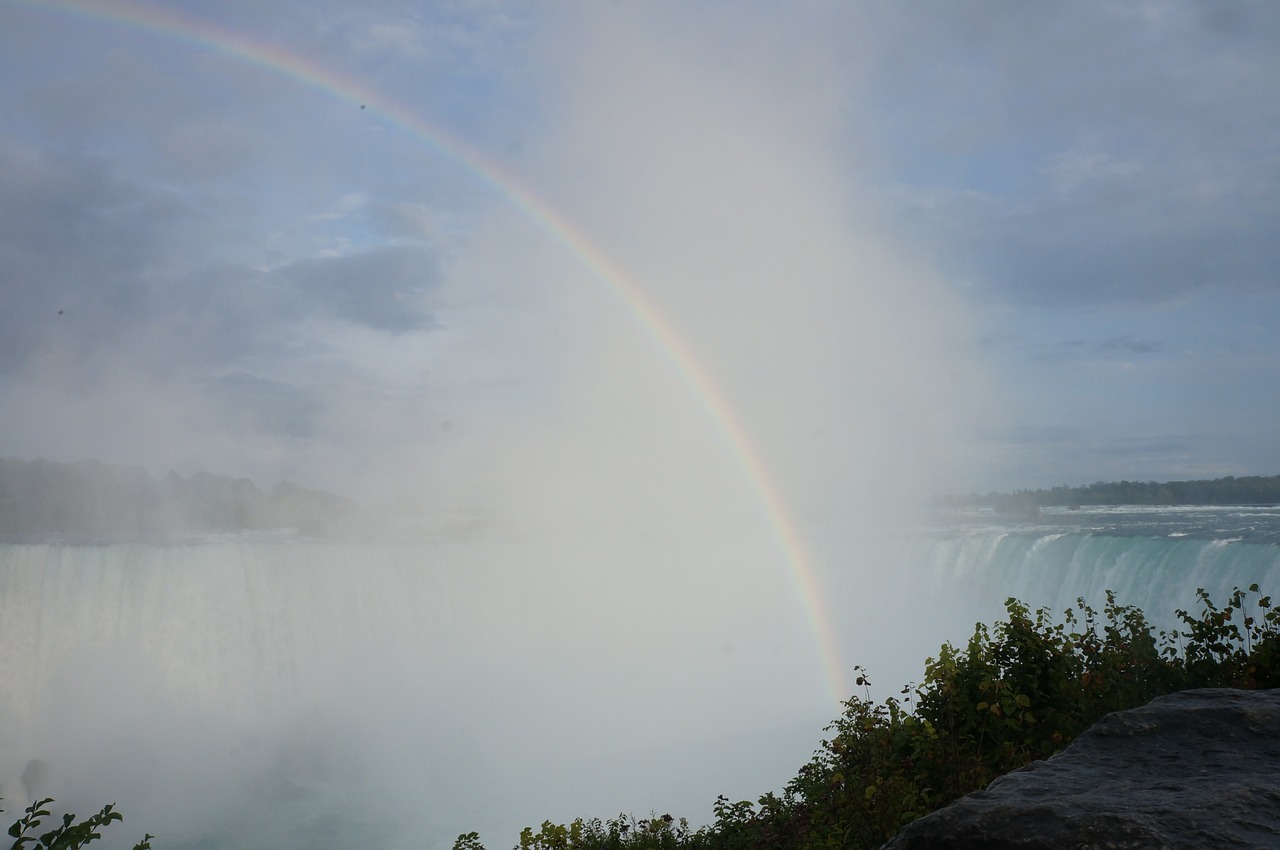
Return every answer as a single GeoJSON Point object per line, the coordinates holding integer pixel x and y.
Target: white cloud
{"type": "Point", "coordinates": [1069, 170]}
{"type": "Point", "coordinates": [399, 39]}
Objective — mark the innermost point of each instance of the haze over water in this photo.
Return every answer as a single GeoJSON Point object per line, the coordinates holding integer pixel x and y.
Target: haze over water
{"type": "Point", "coordinates": [691, 306]}
{"type": "Point", "coordinates": [653, 384]}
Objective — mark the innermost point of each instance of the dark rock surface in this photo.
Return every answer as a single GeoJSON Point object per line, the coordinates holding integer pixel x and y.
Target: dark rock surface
{"type": "Point", "coordinates": [1197, 769]}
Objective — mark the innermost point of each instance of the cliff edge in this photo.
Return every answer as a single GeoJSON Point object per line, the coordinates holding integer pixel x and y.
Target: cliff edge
{"type": "Point", "coordinates": [1196, 769]}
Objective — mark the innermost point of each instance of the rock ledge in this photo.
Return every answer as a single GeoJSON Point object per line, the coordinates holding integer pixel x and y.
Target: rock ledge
{"type": "Point", "coordinates": [1196, 769]}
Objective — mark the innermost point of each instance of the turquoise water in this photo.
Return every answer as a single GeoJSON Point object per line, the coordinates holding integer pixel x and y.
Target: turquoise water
{"type": "Point", "coordinates": [268, 691]}
{"type": "Point", "coordinates": [1152, 557]}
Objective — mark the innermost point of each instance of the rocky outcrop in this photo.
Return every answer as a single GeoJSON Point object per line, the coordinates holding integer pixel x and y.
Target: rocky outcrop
{"type": "Point", "coordinates": [1197, 769]}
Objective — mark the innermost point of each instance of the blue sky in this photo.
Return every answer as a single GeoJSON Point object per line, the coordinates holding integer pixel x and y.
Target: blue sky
{"type": "Point", "coordinates": [979, 245]}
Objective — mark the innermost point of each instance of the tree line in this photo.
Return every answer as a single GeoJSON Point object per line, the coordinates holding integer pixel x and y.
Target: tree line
{"type": "Point", "coordinates": [1245, 490]}
{"type": "Point", "coordinates": [91, 499]}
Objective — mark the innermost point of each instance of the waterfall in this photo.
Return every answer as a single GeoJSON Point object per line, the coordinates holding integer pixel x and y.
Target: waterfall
{"type": "Point", "coordinates": [244, 693]}
{"type": "Point", "coordinates": [248, 693]}
{"type": "Point", "coordinates": [1052, 569]}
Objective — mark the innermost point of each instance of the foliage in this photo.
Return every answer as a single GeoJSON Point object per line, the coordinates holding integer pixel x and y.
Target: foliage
{"type": "Point", "coordinates": [70, 835]}
{"type": "Point", "coordinates": [1015, 692]}
{"type": "Point", "coordinates": [656, 832]}
{"type": "Point", "coordinates": [1245, 490]}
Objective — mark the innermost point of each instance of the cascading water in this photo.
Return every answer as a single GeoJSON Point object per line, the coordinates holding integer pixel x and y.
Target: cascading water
{"type": "Point", "coordinates": [1152, 558]}
{"type": "Point", "coordinates": [247, 692]}
{"type": "Point", "coordinates": [1157, 574]}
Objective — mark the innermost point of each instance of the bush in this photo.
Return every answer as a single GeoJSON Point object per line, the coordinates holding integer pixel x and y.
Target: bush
{"type": "Point", "coordinates": [1016, 692]}
{"type": "Point", "coordinates": [70, 835]}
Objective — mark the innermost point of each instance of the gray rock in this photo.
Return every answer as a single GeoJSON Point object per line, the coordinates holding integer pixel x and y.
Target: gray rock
{"type": "Point", "coordinates": [1197, 769]}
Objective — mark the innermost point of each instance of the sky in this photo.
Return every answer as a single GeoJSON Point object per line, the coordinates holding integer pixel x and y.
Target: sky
{"type": "Point", "coordinates": [553, 259]}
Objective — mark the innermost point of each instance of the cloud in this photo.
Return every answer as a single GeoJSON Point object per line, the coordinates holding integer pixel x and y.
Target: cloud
{"type": "Point", "coordinates": [1031, 435]}
{"type": "Point", "coordinates": [399, 39]}
{"type": "Point", "coordinates": [127, 309]}
{"type": "Point", "coordinates": [383, 288]}
{"type": "Point", "coordinates": [1130, 345]}
{"type": "Point", "coordinates": [1059, 351]}
{"type": "Point", "coordinates": [123, 93]}
{"type": "Point", "coordinates": [261, 406]}
{"type": "Point", "coordinates": [215, 149]}
{"type": "Point", "coordinates": [215, 225]}
{"type": "Point", "coordinates": [1094, 154]}
{"type": "Point", "coordinates": [1075, 168]}
{"type": "Point", "coordinates": [75, 251]}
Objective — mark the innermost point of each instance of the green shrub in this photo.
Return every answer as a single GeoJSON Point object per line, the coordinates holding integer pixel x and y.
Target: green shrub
{"type": "Point", "coordinates": [70, 835]}
{"type": "Point", "coordinates": [1016, 692]}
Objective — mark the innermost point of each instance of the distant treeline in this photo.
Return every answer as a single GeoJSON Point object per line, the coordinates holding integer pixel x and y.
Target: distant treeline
{"type": "Point", "coordinates": [91, 499]}
{"type": "Point", "coordinates": [1248, 490]}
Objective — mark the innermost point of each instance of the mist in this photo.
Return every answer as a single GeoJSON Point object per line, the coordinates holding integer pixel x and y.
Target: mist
{"type": "Point", "coordinates": [756, 355]}
{"type": "Point", "coordinates": [712, 158]}
{"type": "Point", "coordinates": [717, 188]}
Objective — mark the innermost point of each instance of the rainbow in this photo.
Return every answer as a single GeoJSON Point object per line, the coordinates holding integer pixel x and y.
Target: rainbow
{"type": "Point", "coordinates": [495, 176]}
